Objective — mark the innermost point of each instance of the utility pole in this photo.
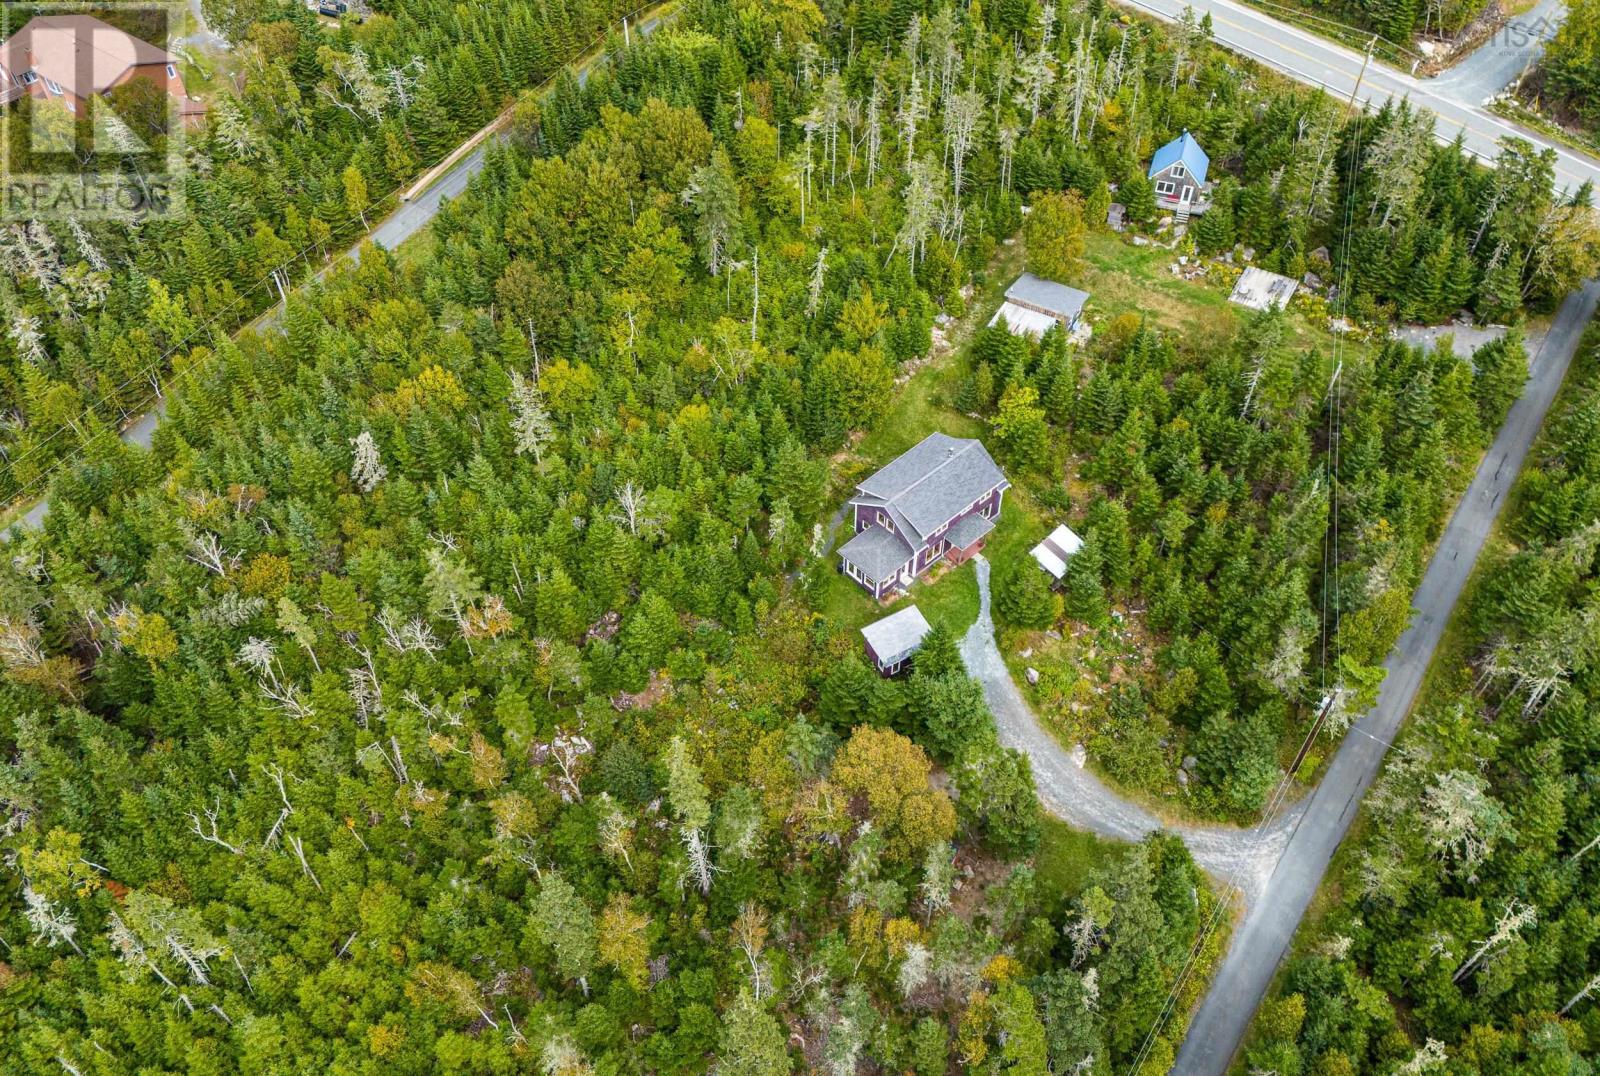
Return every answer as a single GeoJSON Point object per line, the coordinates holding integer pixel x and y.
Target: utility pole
{"type": "Point", "coordinates": [1365, 61]}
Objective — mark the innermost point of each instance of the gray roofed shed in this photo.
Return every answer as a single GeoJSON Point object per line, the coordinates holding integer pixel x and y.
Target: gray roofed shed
{"type": "Point", "coordinates": [892, 640]}
{"type": "Point", "coordinates": [1048, 297]}
{"type": "Point", "coordinates": [877, 553]}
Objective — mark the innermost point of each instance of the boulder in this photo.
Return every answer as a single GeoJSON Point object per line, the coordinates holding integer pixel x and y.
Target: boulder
{"type": "Point", "coordinates": [1032, 674]}
{"type": "Point", "coordinates": [1190, 762]}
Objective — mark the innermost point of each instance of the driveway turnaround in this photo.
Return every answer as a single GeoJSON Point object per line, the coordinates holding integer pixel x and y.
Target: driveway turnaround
{"type": "Point", "coordinates": [1242, 858]}
{"type": "Point", "coordinates": [1502, 59]}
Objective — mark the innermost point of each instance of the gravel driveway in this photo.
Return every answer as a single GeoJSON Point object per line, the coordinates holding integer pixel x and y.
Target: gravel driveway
{"type": "Point", "coordinates": [1243, 858]}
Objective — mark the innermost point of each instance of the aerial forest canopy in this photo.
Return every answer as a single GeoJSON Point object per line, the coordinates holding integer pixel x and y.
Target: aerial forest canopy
{"type": "Point", "coordinates": [436, 692]}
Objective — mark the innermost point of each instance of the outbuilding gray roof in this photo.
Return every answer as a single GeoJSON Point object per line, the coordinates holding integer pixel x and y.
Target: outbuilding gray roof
{"type": "Point", "coordinates": [877, 552]}
{"type": "Point", "coordinates": [969, 529]}
{"type": "Point", "coordinates": [895, 636]}
{"type": "Point", "coordinates": [933, 482]}
{"type": "Point", "coordinates": [1047, 295]}
{"type": "Point", "coordinates": [1057, 548]}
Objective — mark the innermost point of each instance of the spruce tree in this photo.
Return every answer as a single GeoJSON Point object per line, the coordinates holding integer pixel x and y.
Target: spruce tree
{"type": "Point", "coordinates": [1025, 599]}
{"type": "Point", "coordinates": [1083, 594]}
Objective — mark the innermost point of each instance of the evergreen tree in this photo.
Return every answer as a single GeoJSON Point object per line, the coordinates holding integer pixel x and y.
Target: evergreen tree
{"type": "Point", "coordinates": [1082, 591]}
{"type": "Point", "coordinates": [1502, 370]}
{"type": "Point", "coordinates": [1024, 597]}
{"type": "Point", "coordinates": [1138, 196]}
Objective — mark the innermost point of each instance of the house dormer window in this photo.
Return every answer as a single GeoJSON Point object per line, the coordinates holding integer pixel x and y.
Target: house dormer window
{"type": "Point", "coordinates": [53, 87]}
{"type": "Point", "coordinates": [172, 71]}
{"type": "Point", "coordinates": [1177, 171]}
{"type": "Point", "coordinates": [29, 78]}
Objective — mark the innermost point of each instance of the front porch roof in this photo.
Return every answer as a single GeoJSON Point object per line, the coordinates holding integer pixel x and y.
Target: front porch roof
{"type": "Point", "coordinates": [968, 529]}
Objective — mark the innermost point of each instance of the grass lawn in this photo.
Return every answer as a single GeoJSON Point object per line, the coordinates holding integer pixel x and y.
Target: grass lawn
{"type": "Point", "coordinates": [1125, 279]}
{"type": "Point", "coordinates": [1067, 857]}
{"type": "Point", "coordinates": [1122, 278]}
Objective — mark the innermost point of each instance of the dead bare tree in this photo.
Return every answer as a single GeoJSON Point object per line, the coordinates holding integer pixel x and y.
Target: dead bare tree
{"type": "Point", "coordinates": [213, 836]}
{"type": "Point", "coordinates": [300, 854]}
{"type": "Point", "coordinates": [206, 550]}
{"type": "Point", "coordinates": [1510, 923]}
{"type": "Point", "coordinates": [275, 775]}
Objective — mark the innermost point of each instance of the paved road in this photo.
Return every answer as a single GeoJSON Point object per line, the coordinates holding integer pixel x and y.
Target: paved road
{"type": "Point", "coordinates": [1315, 60]}
{"type": "Point", "coordinates": [404, 223]}
{"type": "Point", "coordinates": [1498, 62]}
{"type": "Point", "coordinates": [1240, 857]}
{"type": "Point", "coordinates": [1263, 939]}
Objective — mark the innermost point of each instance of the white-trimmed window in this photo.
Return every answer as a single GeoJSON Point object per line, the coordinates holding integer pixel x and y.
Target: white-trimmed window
{"type": "Point", "coordinates": [29, 78]}
{"type": "Point", "coordinates": [1177, 171]}
{"type": "Point", "coordinates": [53, 87]}
{"type": "Point", "coordinates": [1165, 186]}
{"type": "Point", "coordinates": [172, 71]}
{"type": "Point", "coordinates": [70, 106]}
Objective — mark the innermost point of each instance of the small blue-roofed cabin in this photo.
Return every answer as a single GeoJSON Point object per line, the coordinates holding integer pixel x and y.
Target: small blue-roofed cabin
{"type": "Point", "coordinates": [1178, 171]}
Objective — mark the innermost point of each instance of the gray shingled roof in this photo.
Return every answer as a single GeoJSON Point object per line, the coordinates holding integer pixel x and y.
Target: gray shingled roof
{"type": "Point", "coordinates": [1047, 295]}
{"type": "Point", "coordinates": [877, 552]}
{"type": "Point", "coordinates": [969, 529]}
{"type": "Point", "coordinates": [934, 481]}
{"type": "Point", "coordinates": [896, 635]}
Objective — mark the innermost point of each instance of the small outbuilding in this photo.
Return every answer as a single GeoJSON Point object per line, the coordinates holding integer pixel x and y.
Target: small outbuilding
{"type": "Point", "coordinates": [1178, 171]}
{"type": "Point", "coordinates": [892, 640]}
{"type": "Point", "coordinates": [1057, 548]}
{"type": "Point", "coordinates": [1260, 290]}
{"type": "Point", "coordinates": [1033, 304]}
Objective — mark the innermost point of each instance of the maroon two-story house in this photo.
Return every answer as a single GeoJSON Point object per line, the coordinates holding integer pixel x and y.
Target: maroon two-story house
{"type": "Point", "coordinates": [938, 501]}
